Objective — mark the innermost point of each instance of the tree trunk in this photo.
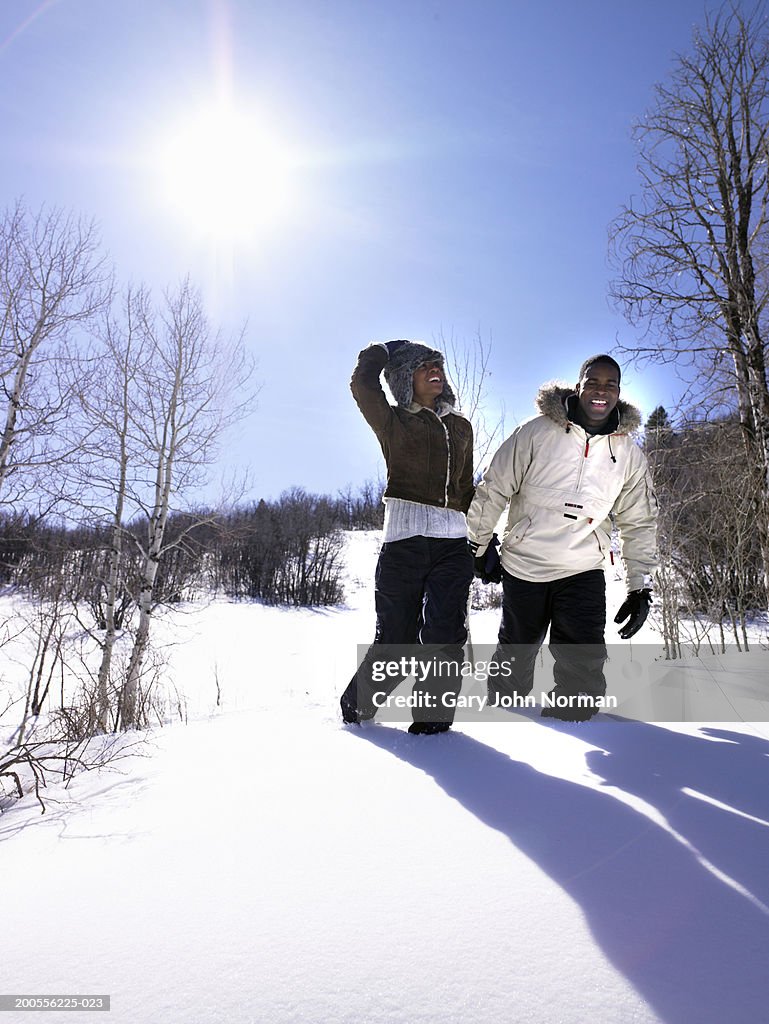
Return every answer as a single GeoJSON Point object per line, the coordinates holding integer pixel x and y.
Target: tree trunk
{"type": "Point", "coordinates": [129, 707]}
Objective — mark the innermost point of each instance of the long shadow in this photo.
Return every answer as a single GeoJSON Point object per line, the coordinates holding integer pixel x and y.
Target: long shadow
{"type": "Point", "coordinates": [712, 789]}
{"type": "Point", "coordinates": [693, 947]}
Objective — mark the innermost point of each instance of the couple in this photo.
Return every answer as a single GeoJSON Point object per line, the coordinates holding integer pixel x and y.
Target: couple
{"type": "Point", "coordinates": [562, 473]}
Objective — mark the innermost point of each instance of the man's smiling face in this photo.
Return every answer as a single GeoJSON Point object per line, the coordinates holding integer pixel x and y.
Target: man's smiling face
{"type": "Point", "coordinates": [598, 393]}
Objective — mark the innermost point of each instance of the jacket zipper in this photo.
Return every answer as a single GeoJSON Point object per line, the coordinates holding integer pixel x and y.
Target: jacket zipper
{"type": "Point", "coordinates": [582, 462]}
{"type": "Point", "coordinates": [448, 466]}
{"type": "Point", "coordinates": [579, 481]}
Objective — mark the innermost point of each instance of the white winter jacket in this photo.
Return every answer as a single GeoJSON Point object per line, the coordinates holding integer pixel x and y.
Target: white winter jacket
{"type": "Point", "coordinates": [561, 485]}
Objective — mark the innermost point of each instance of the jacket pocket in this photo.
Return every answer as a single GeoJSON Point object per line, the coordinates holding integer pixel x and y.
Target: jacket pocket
{"type": "Point", "coordinates": [603, 538]}
{"type": "Point", "coordinates": [517, 532]}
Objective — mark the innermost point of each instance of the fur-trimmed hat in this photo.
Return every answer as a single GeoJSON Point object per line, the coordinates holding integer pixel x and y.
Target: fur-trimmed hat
{"type": "Point", "coordinates": [399, 372]}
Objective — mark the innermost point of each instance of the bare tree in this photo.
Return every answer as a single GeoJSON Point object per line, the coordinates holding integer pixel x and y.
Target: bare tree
{"type": "Point", "coordinates": [692, 251]}
{"type": "Point", "coordinates": [710, 561]}
{"type": "Point", "coordinates": [111, 455]}
{"type": "Point", "coordinates": [189, 386]}
{"type": "Point", "coordinates": [53, 281]}
{"type": "Point", "coordinates": [469, 371]}
{"type": "Point", "coordinates": [361, 509]}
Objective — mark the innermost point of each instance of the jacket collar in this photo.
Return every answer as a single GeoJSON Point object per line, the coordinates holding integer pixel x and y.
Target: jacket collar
{"type": "Point", "coordinates": [553, 399]}
{"type": "Point", "coordinates": [441, 408]}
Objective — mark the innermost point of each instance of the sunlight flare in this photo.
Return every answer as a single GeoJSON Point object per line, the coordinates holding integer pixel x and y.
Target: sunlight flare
{"type": "Point", "coordinates": [225, 173]}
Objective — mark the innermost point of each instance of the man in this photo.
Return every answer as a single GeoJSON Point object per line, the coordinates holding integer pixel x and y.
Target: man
{"type": "Point", "coordinates": [425, 568]}
{"type": "Point", "coordinates": [564, 473]}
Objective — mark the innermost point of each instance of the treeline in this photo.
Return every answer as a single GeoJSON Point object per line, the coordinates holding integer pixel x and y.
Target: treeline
{"type": "Point", "coordinates": [287, 551]}
{"type": "Point", "coordinates": [711, 566]}
{"type": "Point", "coordinates": [114, 407]}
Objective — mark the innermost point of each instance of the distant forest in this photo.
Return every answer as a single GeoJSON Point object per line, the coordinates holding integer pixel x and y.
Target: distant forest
{"type": "Point", "coordinates": [286, 551]}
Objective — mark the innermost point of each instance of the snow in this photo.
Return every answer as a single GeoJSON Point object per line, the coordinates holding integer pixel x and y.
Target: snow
{"type": "Point", "coordinates": [265, 863]}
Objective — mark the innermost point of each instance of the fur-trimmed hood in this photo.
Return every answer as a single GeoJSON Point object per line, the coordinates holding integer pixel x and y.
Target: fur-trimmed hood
{"type": "Point", "coordinates": [399, 374]}
{"type": "Point", "coordinates": [553, 401]}
{"type": "Point", "coordinates": [562, 491]}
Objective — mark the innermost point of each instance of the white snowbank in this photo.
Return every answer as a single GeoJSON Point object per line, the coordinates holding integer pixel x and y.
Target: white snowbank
{"type": "Point", "coordinates": [265, 863]}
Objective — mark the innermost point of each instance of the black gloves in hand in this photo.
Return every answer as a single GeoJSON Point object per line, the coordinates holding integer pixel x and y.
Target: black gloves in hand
{"type": "Point", "coordinates": [488, 567]}
{"type": "Point", "coordinates": [393, 346]}
{"type": "Point", "coordinates": [636, 605]}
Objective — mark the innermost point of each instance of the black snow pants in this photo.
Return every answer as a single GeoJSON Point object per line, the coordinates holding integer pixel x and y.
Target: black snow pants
{"type": "Point", "coordinates": [574, 608]}
{"type": "Point", "coordinates": [421, 590]}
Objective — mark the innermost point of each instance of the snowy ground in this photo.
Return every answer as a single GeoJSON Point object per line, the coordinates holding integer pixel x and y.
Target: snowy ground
{"type": "Point", "coordinates": [263, 863]}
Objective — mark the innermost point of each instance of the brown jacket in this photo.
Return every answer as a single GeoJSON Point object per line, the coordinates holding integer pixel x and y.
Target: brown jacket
{"type": "Point", "coordinates": [429, 455]}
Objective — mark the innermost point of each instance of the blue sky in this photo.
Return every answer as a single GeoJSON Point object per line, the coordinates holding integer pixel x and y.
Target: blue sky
{"type": "Point", "coordinates": [452, 169]}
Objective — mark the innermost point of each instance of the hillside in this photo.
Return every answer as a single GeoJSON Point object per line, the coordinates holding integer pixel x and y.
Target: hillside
{"type": "Point", "coordinates": [264, 863]}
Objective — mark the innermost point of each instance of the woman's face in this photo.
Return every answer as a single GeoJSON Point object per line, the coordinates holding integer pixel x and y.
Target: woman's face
{"type": "Point", "coordinates": [428, 383]}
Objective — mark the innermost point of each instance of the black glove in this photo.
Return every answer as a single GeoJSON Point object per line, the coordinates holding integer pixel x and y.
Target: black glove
{"type": "Point", "coordinates": [636, 605]}
{"type": "Point", "coordinates": [393, 346]}
{"type": "Point", "coordinates": [488, 567]}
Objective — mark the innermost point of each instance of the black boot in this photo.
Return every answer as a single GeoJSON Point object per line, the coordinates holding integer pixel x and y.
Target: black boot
{"type": "Point", "coordinates": [428, 728]}
{"type": "Point", "coordinates": [575, 712]}
{"type": "Point", "coordinates": [350, 714]}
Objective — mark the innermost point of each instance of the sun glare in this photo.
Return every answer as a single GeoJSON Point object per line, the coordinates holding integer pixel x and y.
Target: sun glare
{"type": "Point", "coordinates": [225, 174]}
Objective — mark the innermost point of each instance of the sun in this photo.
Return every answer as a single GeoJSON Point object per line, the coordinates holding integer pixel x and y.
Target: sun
{"type": "Point", "coordinates": [225, 173]}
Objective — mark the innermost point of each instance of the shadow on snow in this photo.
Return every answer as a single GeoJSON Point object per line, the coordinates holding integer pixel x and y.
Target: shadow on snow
{"type": "Point", "coordinates": [683, 917]}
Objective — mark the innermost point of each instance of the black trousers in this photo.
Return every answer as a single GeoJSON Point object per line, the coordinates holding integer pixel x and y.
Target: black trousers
{"type": "Point", "coordinates": [421, 591]}
{"type": "Point", "coordinates": [574, 608]}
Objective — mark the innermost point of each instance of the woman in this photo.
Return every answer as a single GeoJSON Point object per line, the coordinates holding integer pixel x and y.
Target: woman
{"type": "Point", "coordinates": [425, 567]}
